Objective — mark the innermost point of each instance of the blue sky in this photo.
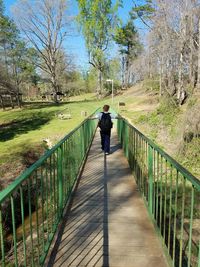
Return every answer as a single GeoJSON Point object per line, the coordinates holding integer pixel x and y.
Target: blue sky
{"type": "Point", "coordinates": [75, 44]}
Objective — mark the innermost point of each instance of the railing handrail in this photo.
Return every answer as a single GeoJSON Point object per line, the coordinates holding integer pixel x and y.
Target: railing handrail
{"type": "Point", "coordinates": [194, 180]}
{"type": "Point", "coordinates": [22, 177]}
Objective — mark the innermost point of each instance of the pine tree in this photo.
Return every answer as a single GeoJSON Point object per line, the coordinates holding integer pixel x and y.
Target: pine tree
{"type": "Point", "coordinates": [130, 47]}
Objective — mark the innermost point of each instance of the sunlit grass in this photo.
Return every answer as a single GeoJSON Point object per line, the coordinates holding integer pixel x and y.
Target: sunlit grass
{"type": "Point", "coordinates": [35, 122]}
{"type": "Point", "coordinates": [26, 128]}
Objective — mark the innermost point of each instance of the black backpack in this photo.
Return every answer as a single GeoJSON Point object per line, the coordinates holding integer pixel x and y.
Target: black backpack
{"type": "Point", "coordinates": [105, 124]}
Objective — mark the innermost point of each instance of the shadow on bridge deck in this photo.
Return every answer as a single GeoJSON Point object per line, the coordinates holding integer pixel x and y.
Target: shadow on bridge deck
{"type": "Point", "coordinates": [107, 224]}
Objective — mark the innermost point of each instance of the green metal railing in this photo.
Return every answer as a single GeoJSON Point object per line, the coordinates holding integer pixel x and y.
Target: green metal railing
{"type": "Point", "coordinates": [171, 193]}
{"type": "Point", "coordinates": [32, 206]}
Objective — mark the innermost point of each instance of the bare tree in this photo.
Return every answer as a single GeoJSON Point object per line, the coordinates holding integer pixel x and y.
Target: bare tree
{"type": "Point", "coordinates": [44, 23]}
{"type": "Point", "coordinates": [198, 65]}
{"type": "Point", "coordinates": [173, 46]}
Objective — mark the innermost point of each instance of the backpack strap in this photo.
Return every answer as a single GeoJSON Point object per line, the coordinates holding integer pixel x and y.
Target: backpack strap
{"type": "Point", "coordinates": [105, 113]}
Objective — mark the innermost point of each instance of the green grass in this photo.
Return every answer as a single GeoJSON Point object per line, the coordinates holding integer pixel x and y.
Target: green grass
{"type": "Point", "coordinates": [35, 124]}
{"type": "Point", "coordinates": [152, 84]}
{"type": "Point", "coordinates": [164, 116]}
{"type": "Point", "coordinates": [189, 156]}
{"type": "Point", "coordinates": [22, 130]}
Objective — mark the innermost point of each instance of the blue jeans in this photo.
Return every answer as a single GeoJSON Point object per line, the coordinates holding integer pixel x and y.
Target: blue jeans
{"type": "Point", "coordinates": [105, 141]}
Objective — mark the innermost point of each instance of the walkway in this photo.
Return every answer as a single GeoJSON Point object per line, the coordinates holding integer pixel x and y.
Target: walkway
{"type": "Point", "coordinates": [108, 224]}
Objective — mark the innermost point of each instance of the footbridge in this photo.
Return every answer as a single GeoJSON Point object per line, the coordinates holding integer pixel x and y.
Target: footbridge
{"type": "Point", "coordinates": [76, 206]}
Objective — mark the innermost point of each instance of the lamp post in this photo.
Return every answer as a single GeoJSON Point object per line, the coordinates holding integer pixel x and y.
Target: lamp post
{"type": "Point", "coordinates": [87, 80]}
{"type": "Point", "coordinates": [109, 80]}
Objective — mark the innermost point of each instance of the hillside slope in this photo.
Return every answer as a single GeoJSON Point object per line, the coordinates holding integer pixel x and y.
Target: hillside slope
{"type": "Point", "coordinates": [175, 129]}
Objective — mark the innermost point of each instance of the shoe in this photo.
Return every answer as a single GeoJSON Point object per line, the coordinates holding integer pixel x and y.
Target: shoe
{"type": "Point", "coordinates": [106, 153]}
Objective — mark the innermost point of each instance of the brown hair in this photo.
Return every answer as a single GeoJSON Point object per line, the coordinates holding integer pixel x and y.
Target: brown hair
{"type": "Point", "coordinates": [106, 108]}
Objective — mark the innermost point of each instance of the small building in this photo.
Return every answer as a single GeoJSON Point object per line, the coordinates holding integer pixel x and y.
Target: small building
{"type": "Point", "coordinates": [10, 98]}
{"type": "Point", "coordinates": [50, 96]}
{"type": "Point", "coordinates": [58, 94]}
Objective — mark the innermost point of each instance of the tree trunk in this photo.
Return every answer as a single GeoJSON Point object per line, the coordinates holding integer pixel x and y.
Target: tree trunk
{"type": "Point", "coordinates": [5, 57]}
{"type": "Point", "coordinates": [191, 72]}
{"type": "Point", "coordinates": [123, 71]}
{"type": "Point", "coordinates": [55, 87]}
{"type": "Point", "coordinates": [11, 102]}
{"type": "Point", "coordinates": [198, 69]}
{"type": "Point", "coordinates": [149, 65]}
{"type": "Point", "coordinates": [191, 56]}
{"type": "Point", "coordinates": [126, 72]}
{"type": "Point", "coordinates": [129, 75]}
{"type": "Point", "coordinates": [18, 101]}
{"type": "Point", "coordinates": [170, 77]}
{"type": "Point", "coordinates": [2, 104]}
{"type": "Point", "coordinates": [180, 81]}
{"type": "Point", "coordinates": [99, 86]}
{"type": "Point", "coordinates": [161, 76]}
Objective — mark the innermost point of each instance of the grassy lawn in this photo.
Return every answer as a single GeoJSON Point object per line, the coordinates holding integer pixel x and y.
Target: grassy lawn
{"type": "Point", "coordinates": [22, 130]}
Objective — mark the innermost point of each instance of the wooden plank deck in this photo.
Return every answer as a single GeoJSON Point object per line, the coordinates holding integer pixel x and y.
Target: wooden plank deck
{"type": "Point", "coordinates": [108, 224]}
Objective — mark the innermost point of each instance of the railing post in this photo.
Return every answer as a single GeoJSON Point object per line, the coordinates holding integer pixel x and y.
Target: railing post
{"type": "Point", "coordinates": [120, 131]}
{"type": "Point", "coordinates": [60, 180]}
{"type": "Point", "coordinates": [2, 260]}
{"type": "Point", "coordinates": [126, 140]}
{"type": "Point", "coordinates": [150, 175]}
{"type": "Point", "coordinates": [134, 156]}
